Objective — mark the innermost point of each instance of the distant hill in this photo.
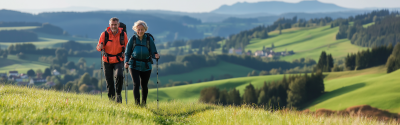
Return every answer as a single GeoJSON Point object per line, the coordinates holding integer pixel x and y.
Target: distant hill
{"type": "Point", "coordinates": [91, 24]}
{"type": "Point", "coordinates": [277, 7]}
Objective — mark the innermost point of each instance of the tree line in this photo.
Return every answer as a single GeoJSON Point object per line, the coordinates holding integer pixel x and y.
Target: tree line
{"type": "Point", "coordinates": [393, 62]}
{"type": "Point", "coordinates": [293, 91]}
{"type": "Point", "coordinates": [382, 32]}
{"type": "Point", "coordinates": [17, 36]}
{"type": "Point", "coordinates": [368, 58]}
{"type": "Point", "coordinates": [169, 64]}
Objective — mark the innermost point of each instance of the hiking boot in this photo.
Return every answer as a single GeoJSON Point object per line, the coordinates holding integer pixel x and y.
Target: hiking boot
{"type": "Point", "coordinates": [119, 99]}
{"type": "Point", "coordinates": [143, 104]}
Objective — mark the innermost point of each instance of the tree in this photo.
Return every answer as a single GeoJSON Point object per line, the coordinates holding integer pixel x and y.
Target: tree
{"type": "Point", "coordinates": [62, 55]}
{"type": "Point", "coordinates": [47, 72]}
{"type": "Point", "coordinates": [31, 73]}
{"type": "Point", "coordinates": [262, 98]}
{"type": "Point", "coordinates": [272, 45]}
{"type": "Point", "coordinates": [234, 97]}
{"type": "Point", "coordinates": [249, 96]}
{"type": "Point", "coordinates": [209, 95]}
{"type": "Point", "coordinates": [393, 62]}
{"type": "Point", "coordinates": [85, 79]}
{"type": "Point", "coordinates": [296, 93]}
{"type": "Point", "coordinates": [322, 62]}
{"type": "Point", "coordinates": [223, 97]}
{"type": "Point", "coordinates": [83, 88]}
{"type": "Point", "coordinates": [329, 62]}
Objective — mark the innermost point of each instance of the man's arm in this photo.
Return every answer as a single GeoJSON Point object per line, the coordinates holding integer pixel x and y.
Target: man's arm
{"type": "Point", "coordinates": [100, 45]}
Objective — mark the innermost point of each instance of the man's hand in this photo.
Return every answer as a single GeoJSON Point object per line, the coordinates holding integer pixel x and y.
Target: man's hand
{"type": "Point", "coordinates": [157, 56]}
{"type": "Point", "coordinates": [100, 47]}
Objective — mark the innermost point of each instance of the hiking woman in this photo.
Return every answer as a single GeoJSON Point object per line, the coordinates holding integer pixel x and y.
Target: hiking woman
{"type": "Point", "coordinates": [139, 53]}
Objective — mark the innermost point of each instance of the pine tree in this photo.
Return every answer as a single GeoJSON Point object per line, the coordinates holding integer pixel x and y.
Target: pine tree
{"type": "Point", "coordinates": [249, 96]}
{"type": "Point", "coordinates": [393, 62]}
{"type": "Point", "coordinates": [323, 61]}
{"type": "Point", "coordinates": [234, 97]}
{"type": "Point", "coordinates": [223, 97]}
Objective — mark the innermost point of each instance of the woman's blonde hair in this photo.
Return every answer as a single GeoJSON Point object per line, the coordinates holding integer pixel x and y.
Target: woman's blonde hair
{"type": "Point", "coordinates": [140, 22]}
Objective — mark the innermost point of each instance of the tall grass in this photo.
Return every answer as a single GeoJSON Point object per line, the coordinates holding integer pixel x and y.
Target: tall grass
{"type": "Point", "coordinates": [22, 105]}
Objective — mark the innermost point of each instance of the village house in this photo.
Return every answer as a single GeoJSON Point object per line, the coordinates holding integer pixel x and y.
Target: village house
{"type": "Point", "coordinates": [55, 73]}
{"type": "Point", "coordinates": [259, 53]}
{"type": "Point", "coordinates": [13, 73]}
{"type": "Point", "coordinates": [235, 51]}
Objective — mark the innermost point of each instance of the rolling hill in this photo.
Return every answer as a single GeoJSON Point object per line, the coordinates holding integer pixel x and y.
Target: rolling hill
{"type": "Point", "coordinates": [306, 42]}
{"type": "Point", "coordinates": [378, 90]}
{"type": "Point", "coordinates": [344, 89]}
{"type": "Point", "coordinates": [23, 105]}
{"type": "Point", "coordinates": [47, 40]}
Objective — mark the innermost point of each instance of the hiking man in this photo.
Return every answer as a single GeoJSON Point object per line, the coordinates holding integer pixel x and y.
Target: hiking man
{"type": "Point", "coordinates": [113, 42]}
{"type": "Point", "coordinates": [139, 53]}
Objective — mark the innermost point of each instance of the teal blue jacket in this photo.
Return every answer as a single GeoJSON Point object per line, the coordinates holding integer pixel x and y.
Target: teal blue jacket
{"type": "Point", "coordinates": [140, 52]}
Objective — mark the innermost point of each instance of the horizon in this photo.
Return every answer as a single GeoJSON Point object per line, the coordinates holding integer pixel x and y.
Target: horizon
{"type": "Point", "coordinates": [41, 6]}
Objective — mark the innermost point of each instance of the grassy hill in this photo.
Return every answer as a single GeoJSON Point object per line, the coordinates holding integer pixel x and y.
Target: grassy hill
{"type": "Point", "coordinates": [190, 93]}
{"type": "Point", "coordinates": [306, 42]}
{"type": "Point", "coordinates": [344, 89]}
{"type": "Point", "coordinates": [22, 66]}
{"type": "Point", "coordinates": [21, 105]}
{"type": "Point", "coordinates": [220, 69]}
{"type": "Point", "coordinates": [378, 90]}
{"type": "Point", "coordinates": [47, 40]}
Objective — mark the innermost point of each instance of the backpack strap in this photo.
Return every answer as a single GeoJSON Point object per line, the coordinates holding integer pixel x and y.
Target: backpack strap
{"type": "Point", "coordinates": [148, 45]}
{"type": "Point", "coordinates": [134, 41]}
{"type": "Point", "coordinates": [106, 38]}
{"type": "Point", "coordinates": [122, 40]}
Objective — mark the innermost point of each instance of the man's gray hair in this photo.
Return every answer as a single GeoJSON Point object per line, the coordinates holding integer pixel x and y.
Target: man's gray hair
{"type": "Point", "coordinates": [113, 19]}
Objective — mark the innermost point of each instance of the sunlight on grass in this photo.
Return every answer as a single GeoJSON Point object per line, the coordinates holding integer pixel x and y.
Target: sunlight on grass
{"type": "Point", "coordinates": [22, 105]}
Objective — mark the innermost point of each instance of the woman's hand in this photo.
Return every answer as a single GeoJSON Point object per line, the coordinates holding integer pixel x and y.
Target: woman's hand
{"type": "Point", "coordinates": [126, 65]}
{"type": "Point", "coordinates": [157, 56]}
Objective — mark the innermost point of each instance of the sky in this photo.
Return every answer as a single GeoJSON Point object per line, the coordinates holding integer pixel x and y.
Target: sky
{"type": "Point", "coordinates": [172, 5]}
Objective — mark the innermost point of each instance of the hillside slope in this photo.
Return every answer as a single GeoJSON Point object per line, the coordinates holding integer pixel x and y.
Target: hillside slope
{"type": "Point", "coordinates": [21, 105]}
{"type": "Point", "coordinates": [379, 90]}
{"type": "Point", "coordinates": [306, 42]}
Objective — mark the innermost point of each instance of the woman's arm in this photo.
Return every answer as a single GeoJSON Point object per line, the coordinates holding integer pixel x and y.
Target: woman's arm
{"type": "Point", "coordinates": [153, 48]}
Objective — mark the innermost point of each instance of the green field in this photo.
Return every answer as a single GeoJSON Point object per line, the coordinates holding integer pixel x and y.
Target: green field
{"type": "Point", "coordinates": [190, 93]}
{"type": "Point", "coordinates": [21, 105]}
{"type": "Point", "coordinates": [344, 89]}
{"type": "Point", "coordinates": [378, 90]}
{"type": "Point", "coordinates": [221, 68]}
{"type": "Point", "coordinates": [306, 42]}
{"type": "Point", "coordinates": [47, 40]}
{"type": "Point", "coordinates": [22, 66]}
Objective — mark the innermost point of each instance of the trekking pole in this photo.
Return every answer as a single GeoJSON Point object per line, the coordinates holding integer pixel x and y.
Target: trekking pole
{"type": "Point", "coordinates": [101, 75]}
{"type": "Point", "coordinates": [157, 82]}
{"type": "Point", "coordinates": [126, 87]}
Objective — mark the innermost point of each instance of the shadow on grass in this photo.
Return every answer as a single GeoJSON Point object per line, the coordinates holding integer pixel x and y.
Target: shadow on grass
{"type": "Point", "coordinates": [334, 93]}
{"type": "Point", "coordinates": [162, 112]}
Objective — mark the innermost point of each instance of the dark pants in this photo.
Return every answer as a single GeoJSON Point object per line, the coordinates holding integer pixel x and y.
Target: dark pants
{"type": "Point", "coordinates": [111, 71]}
{"type": "Point", "coordinates": [140, 78]}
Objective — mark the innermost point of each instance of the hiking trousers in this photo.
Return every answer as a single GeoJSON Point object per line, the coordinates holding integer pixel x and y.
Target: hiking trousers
{"type": "Point", "coordinates": [140, 78]}
{"type": "Point", "coordinates": [111, 71]}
